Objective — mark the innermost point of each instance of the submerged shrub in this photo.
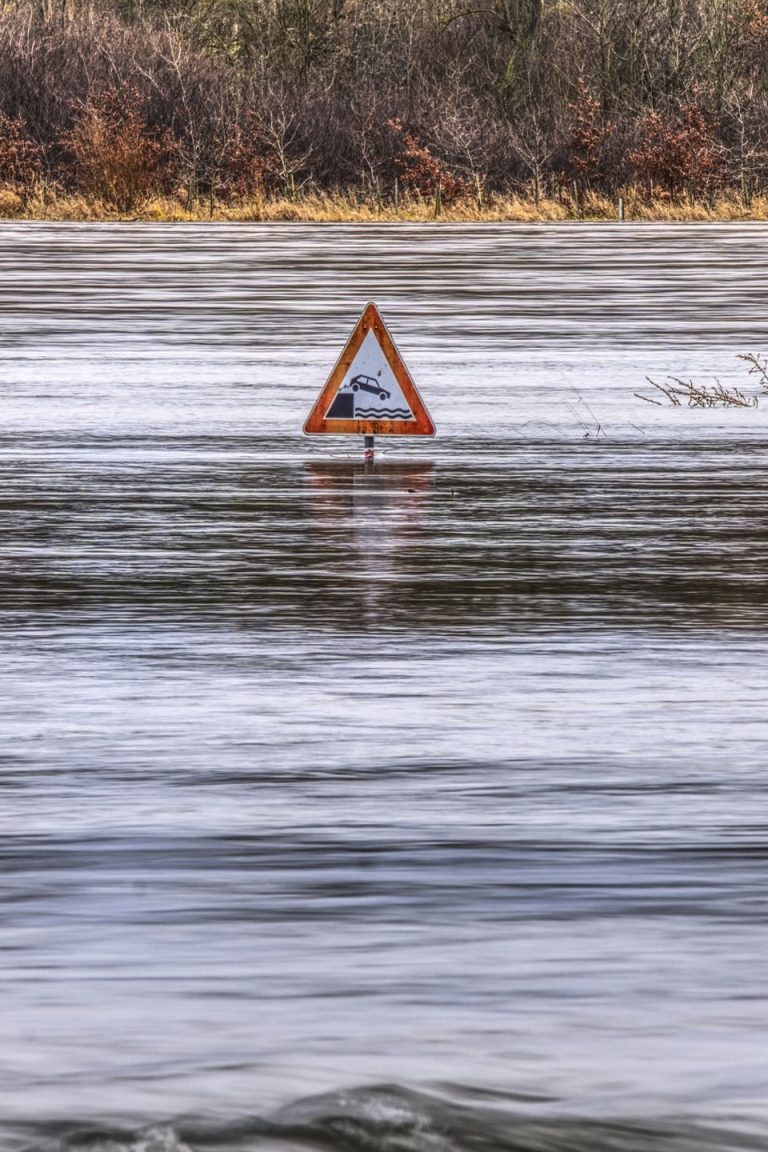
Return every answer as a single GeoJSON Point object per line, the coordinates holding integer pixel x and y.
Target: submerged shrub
{"type": "Point", "coordinates": [687, 393]}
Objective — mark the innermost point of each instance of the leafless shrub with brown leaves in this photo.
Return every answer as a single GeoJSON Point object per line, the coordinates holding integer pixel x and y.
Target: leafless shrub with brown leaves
{"type": "Point", "coordinates": [114, 155]}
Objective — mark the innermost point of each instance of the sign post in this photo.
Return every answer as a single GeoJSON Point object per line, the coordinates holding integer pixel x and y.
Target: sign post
{"type": "Point", "coordinates": [370, 391]}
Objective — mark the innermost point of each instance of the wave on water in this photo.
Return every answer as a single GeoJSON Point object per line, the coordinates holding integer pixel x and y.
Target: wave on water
{"type": "Point", "coordinates": [394, 1119]}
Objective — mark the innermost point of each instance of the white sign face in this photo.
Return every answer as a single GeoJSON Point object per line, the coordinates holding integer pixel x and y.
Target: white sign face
{"type": "Point", "coordinates": [369, 389]}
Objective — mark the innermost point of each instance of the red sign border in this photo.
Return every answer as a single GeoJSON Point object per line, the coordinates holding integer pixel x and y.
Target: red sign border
{"type": "Point", "coordinates": [421, 425]}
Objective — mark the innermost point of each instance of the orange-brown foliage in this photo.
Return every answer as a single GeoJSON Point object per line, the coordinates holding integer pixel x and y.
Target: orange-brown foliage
{"type": "Point", "coordinates": [21, 159]}
{"type": "Point", "coordinates": [248, 167]}
{"type": "Point", "coordinates": [421, 172]}
{"type": "Point", "coordinates": [588, 135]}
{"type": "Point", "coordinates": [115, 156]}
{"type": "Point", "coordinates": [677, 152]}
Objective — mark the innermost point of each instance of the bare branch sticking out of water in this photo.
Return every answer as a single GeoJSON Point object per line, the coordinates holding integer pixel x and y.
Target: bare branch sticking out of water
{"type": "Point", "coordinates": [679, 392]}
{"type": "Point", "coordinates": [591, 431]}
{"type": "Point", "coordinates": [684, 392]}
{"type": "Point", "coordinates": [758, 368]}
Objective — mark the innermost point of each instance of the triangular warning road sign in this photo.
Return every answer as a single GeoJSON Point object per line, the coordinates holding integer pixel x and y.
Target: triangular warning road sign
{"type": "Point", "coordinates": [370, 391]}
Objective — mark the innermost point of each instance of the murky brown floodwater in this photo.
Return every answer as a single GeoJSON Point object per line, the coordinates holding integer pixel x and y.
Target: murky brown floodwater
{"type": "Point", "coordinates": [413, 809]}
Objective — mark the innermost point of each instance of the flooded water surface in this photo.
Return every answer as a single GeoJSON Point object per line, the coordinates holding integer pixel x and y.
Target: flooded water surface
{"type": "Point", "coordinates": [415, 806]}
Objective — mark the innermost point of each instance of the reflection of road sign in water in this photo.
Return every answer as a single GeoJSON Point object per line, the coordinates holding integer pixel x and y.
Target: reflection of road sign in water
{"type": "Point", "coordinates": [370, 391]}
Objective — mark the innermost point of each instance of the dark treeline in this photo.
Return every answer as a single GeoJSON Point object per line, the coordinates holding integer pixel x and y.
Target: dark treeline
{"type": "Point", "coordinates": [234, 99]}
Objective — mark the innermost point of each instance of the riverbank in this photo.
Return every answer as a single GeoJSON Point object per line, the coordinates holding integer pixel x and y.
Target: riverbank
{"type": "Point", "coordinates": [318, 208]}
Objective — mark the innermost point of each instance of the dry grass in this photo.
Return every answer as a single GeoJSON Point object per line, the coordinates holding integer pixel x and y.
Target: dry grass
{"type": "Point", "coordinates": [47, 204]}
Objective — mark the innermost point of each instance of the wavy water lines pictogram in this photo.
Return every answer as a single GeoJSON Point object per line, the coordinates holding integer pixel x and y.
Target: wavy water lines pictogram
{"type": "Point", "coordinates": [384, 413]}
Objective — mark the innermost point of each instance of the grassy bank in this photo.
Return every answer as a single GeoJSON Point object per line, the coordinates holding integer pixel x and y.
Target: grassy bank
{"type": "Point", "coordinates": [344, 208]}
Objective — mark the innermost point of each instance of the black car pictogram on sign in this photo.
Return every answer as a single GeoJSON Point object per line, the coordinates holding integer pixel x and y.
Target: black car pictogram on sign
{"type": "Point", "coordinates": [368, 384]}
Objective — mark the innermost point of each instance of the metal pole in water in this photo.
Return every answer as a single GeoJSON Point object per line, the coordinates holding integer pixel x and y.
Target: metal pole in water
{"type": "Point", "coordinates": [368, 452]}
